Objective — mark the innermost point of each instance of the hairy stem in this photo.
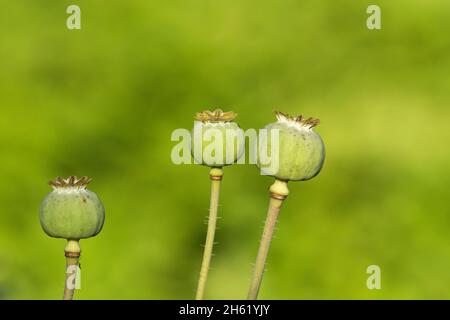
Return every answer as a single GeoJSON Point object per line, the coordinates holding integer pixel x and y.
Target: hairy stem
{"type": "Point", "coordinates": [216, 176]}
{"type": "Point", "coordinates": [278, 192]}
{"type": "Point", "coordinates": [72, 253]}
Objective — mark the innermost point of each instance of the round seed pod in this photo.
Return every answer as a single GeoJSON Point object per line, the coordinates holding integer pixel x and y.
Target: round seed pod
{"type": "Point", "coordinates": [71, 211]}
{"type": "Point", "coordinates": [217, 140]}
{"type": "Point", "coordinates": [301, 151]}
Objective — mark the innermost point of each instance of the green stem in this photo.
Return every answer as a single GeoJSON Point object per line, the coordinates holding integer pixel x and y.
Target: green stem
{"type": "Point", "coordinates": [278, 192]}
{"type": "Point", "coordinates": [216, 176]}
{"type": "Point", "coordinates": [72, 253]}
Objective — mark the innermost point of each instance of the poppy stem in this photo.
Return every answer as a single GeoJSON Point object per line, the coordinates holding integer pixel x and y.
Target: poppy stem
{"type": "Point", "coordinates": [278, 192]}
{"type": "Point", "coordinates": [216, 177]}
{"type": "Point", "coordinates": [72, 252]}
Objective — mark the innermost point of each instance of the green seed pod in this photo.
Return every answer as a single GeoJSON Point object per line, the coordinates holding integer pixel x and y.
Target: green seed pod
{"type": "Point", "coordinates": [71, 211]}
{"type": "Point", "coordinates": [301, 151]}
{"type": "Point", "coordinates": [217, 140]}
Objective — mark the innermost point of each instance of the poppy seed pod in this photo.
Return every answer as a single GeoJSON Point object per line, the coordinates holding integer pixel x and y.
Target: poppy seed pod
{"type": "Point", "coordinates": [301, 151]}
{"type": "Point", "coordinates": [71, 211]}
{"type": "Point", "coordinates": [217, 140]}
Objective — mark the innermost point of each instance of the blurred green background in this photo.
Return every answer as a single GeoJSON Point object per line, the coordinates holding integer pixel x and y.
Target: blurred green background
{"type": "Point", "coordinates": [102, 101]}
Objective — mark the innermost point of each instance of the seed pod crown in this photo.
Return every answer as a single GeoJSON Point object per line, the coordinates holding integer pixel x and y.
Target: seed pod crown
{"type": "Point", "coordinates": [71, 182]}
{"type": "Point", "coordinates": [298, 121]}
{"type": "Point", "coordinates": [215, 116]}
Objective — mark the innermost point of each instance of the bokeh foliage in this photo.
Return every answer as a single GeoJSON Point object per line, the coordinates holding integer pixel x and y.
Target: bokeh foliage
{"type": "Point", "coordinates": [103, 101]}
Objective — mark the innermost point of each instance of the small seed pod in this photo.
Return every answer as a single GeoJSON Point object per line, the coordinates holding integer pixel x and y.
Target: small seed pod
{"type": "Point", "coordinates": [301, 150]}
{"type": "Point", "coordinates": [217, 140]}
{"type": "Point", "coordinates": [71, 211]}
